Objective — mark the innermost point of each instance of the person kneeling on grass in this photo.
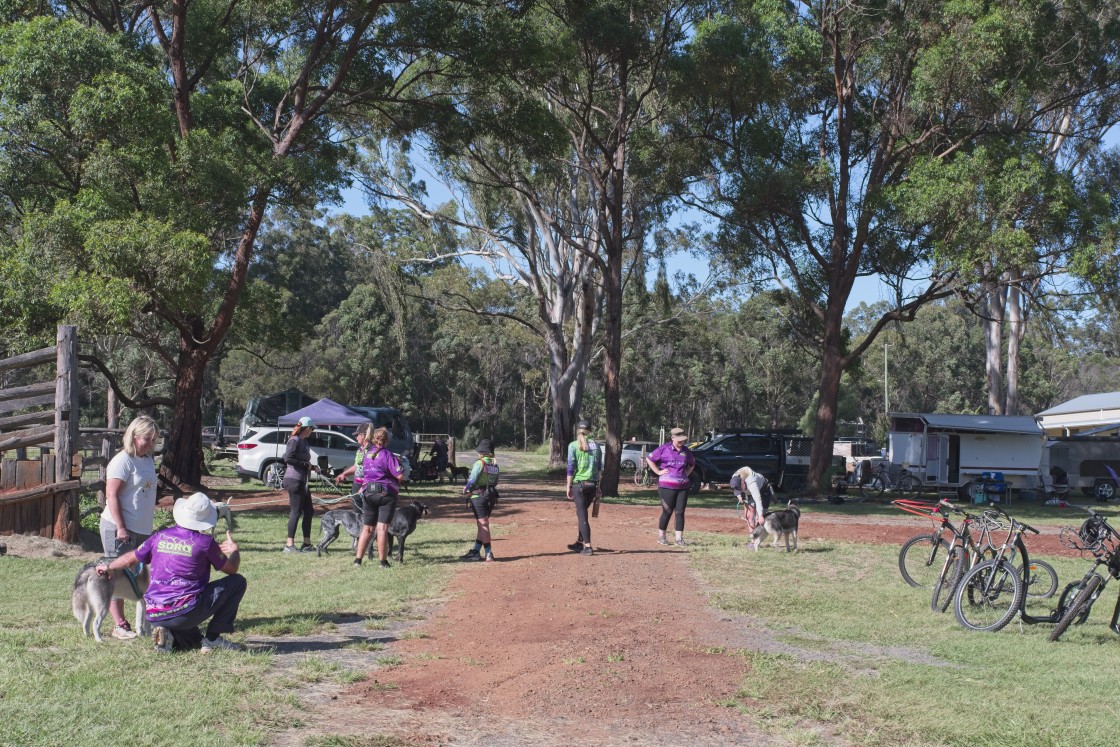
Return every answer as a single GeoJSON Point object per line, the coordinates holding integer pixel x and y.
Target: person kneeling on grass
{"type": "Point", "coordinates": [181, 595]}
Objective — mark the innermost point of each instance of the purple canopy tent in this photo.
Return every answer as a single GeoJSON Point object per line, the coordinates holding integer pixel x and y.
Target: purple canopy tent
{"type": "Point", "coordinates": [325, 412]}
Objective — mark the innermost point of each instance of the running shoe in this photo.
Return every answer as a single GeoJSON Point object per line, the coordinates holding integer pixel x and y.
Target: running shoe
{"type": "Point", "coordinates": [290, 548]}
{"type": "Point", "coordinates": [489, 557]}
{"type": "Point", "coordinates": [662, 541]}
{"type": "Point", "coordinates": [385, 564]}
{"type": "Point", "coordinates": [218, 644]}
{"type": "Point", "coordinates": [576, 546]}
{"type": "Point", "coordinates": [587, 551]}
{"type": "Point", "coordinates": [471, 555]}
{"type": "Point", "coordinates": [124, 632]}
{"type": "Point", "coordinates": [680, 543]}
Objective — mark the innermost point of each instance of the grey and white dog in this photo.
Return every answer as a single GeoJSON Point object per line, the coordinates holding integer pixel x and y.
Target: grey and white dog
{"type": "Point", "coordinates": [92, 594]}
{"type": "Point", "coordinates": [342, 518]}
{"type": "Point", "coordinates": [778, 524]}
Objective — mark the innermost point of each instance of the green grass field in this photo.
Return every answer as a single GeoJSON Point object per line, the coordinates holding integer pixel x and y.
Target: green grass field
{"type": "Point", "coordinates": [54, 682]}
{"type": "Point", "coordinates": [840, 640]}
{"type": "Point", "coordinates": [845, 641]}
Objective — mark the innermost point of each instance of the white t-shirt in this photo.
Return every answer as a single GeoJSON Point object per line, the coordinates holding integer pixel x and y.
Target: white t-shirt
{"type": "Point", "coordinates": [138, 494]}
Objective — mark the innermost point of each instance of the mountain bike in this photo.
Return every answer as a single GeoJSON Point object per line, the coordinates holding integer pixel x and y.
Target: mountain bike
{"type": "Point", "coordinates": [1097, 536]}
{"type": "Point", "coordinates": [920, 557]}
{"type": "Point", "coordinates": [643, 475]}
{"type": "Point", "coordinates": [881, 481]}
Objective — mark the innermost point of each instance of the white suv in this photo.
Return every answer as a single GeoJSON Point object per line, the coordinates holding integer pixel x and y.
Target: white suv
{"type": "Point", "coordinates": [261, 453]}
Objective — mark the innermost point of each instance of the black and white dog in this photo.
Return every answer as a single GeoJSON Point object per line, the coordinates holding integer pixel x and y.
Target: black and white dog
{"type": "Point", "coordinates": [349, 519]}
{"type": "Point", "coordinates": [778, 524]}
{"type": "Point", "coordinates": [92, 594]}
{"type": "Point", "coordinates": [404, 524]}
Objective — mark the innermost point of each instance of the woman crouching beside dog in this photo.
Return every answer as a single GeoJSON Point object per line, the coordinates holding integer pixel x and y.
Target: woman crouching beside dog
{"type": "Point", "coordinates": [130, 502]}
{"type": "Point", "coordinates": [382, 475]}
{"type": "Point", "coordinates": [482, 492]}
{"type": "Point", "coordinates": [181, 595]}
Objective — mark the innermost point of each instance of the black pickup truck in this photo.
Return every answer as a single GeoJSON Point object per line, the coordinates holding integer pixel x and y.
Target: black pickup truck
{"type": "Point", "coordinates": [719, 457]}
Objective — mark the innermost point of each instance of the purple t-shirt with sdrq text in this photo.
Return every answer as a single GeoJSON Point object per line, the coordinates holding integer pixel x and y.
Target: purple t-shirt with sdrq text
{"type": "Point", "coordinates": [676, 464]}
{"type": "Point", "coordinates": [381, 465]}
{"type": "Point", "coordinates": [180, 560]}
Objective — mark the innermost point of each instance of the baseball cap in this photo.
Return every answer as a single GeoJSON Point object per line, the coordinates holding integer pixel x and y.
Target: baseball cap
{"type": "Point", "coordinates": [306, 422]}
{"type": "Point", "coordinates": [583, 424]}
{"type": "Point", "coordinates": [678, 433]}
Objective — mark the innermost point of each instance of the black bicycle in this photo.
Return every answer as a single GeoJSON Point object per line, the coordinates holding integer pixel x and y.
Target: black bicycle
{"type": "Point", "coordinates": [1095, 536]}
{"type": "Point", "coordinates": [990, 594]}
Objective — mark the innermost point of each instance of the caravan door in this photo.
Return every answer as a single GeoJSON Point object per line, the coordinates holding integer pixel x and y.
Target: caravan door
{"type": "Point", "coordinates": [937, 462]}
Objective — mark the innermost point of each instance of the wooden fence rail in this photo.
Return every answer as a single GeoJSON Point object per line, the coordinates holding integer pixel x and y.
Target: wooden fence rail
{"type": "Point", "coordinates": [41, 496]}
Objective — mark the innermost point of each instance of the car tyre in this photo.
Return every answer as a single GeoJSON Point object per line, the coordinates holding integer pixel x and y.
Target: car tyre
{"type": "Point", "coordinates": [1104, 490]}
{"type": "Point", "coordinates": [272, 474]}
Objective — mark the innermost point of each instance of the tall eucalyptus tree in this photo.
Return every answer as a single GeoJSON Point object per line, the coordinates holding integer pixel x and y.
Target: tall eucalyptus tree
{"type": "Point", "coordinates": [816, 111]}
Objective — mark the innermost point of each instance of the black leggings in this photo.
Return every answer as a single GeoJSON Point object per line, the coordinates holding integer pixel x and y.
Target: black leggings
{"type": "Point", "coordinates": [583, 495]}
{"type": "Point", "coordinates": [299, 504]}
{"type": "Point", "coordinates": [673, 500]}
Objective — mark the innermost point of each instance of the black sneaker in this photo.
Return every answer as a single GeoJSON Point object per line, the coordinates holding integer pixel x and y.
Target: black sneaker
{"type": "Point", "coordinates": [385, 564]}
{"type": "Point", "coordinates": [306, 548]}
{"type": "Point", "coordinates": [587, 551]}
{"type": "Point", "coordinates": [290, 548]}
{"type": "Point", "coordinates": [357, 562]}
{"type": "Point", "coordinates": [471, 555]}
{"type": "Point", "coordinates": [576, 546]}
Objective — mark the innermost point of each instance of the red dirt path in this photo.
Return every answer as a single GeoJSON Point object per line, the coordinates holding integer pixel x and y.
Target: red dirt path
{"type": "Point", "coordinates": [547, 647]}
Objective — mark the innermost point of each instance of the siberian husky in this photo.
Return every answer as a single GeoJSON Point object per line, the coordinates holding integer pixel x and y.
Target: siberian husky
{"type": "Point", "coordinates": [778, 524]}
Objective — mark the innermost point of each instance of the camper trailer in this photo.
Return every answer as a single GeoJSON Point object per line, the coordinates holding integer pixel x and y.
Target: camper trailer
{"type": "Point", "coordinates": [1090, 463]}
{"type": "Point", "coordinates": [947, 451]}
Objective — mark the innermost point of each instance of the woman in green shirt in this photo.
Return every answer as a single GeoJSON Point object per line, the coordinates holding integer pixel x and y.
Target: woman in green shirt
{"type": "Point", "coordinates": [585, 463]}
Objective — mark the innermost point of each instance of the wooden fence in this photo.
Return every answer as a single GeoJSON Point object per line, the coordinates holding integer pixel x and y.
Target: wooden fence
{"type": "Point", "coordinates": [40, 496]}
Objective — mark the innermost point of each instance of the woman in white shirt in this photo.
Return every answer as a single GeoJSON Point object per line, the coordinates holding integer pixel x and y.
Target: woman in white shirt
{"type": "Point", "coordinates": [130, 501]}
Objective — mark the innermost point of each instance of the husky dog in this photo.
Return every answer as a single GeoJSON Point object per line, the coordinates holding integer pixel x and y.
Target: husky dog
{"type": "Point", "coordinates": [349, 519]}
{"type": "Point", "coordinates": [404, 524]}
{"type": "Point", "coordinates": [92, 594]}
{"type": "Point", "coordinates": [778, 524]}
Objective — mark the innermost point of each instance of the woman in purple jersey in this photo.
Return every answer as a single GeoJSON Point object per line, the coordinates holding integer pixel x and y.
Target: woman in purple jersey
{"type": "Point", "coordinates": [382, 473]}
{"type": "Point", "coordinates": [672, 463]}
{"type": "Point", "coordinates": [181, 595]}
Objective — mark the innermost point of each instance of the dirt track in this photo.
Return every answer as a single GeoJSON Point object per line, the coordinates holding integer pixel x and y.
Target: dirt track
{"type": "Point", "coordinates": [548, 647]}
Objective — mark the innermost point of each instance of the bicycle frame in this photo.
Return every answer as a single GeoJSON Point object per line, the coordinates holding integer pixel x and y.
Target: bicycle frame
{"type": "Point", "coordinates": [1014, 541]}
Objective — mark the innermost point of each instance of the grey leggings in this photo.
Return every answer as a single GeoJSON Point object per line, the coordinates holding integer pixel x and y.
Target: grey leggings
{"type": "Point", "coordinates": [673, 500]}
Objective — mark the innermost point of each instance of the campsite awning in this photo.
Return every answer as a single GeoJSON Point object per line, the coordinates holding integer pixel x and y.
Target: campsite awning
{"type": "Point", "coordinates": [1024, 424]}
{"type": "Point", "coordinates": [325, 412]}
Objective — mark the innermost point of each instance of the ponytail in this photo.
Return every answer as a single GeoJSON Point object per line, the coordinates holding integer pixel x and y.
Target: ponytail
{"type": "Point", "coordinates": [581, 438]}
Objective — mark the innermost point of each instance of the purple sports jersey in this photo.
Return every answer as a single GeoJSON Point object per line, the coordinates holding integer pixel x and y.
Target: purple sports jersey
{"type": "Point", "coordinates": [180, 561]}
{"type": "Point", "coordinates": [676, 464]}
{"type": "Point", "coordinates": [381, 465]}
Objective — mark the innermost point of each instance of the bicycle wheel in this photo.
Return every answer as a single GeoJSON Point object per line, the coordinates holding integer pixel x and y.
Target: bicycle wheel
{"type": "Point", "coordinates": [920, 559]}
{"type": "Point", "coordinates": [647, 478]}
{"type": "Point", "coordinates": [874, 487]}
{"type": "Point", "coordinates": [1065, 601]}
{"type": "Point", "coordinates": [907, 483]}
{"type": "Point", "coordinates": [988, 596]}
{"type": "Point", "coordinates": [1040, 580]}
{"type": "Point", "coordinates": [640, 475]}
{"type": "Point", "coordinates": [947, 580]}
{"type": "Point", "coordinates": [1083, 600]}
